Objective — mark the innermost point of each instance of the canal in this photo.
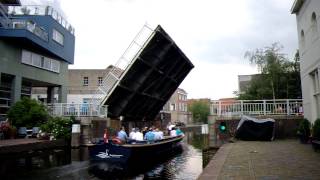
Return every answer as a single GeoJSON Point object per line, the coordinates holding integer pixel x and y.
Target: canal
{"type": "Point", "coordinates": [74, 164]}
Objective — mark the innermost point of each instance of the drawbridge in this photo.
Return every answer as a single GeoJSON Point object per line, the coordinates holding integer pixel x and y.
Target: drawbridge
{"type": "Point", "coordinates": [142, 80]}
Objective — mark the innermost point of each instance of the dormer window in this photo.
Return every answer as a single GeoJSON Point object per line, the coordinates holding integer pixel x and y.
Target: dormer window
{"type": "Point", "coordinates": [57, 36]}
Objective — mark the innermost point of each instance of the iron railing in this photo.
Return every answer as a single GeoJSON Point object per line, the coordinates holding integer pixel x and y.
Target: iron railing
{"type": "Point", "coordinates": [127, 58]}
{"type": "Point", "coordinates": [77, 110]}
{"type": "Point", "coordinates": [231, 108]}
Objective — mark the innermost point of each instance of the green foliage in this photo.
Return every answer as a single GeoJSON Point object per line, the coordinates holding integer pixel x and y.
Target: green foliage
{"type": "Point", "coordinates": [27, 113]}
{"type": "Point", "coordinates": [58, 127]}
{"type": "Point", "coordinates": [316, 129]}
{"type": "Point", "coordinates": [279, 78]}
{"type": "Point", "coordinates": [200, 111]}
{"type": "Point", "coordinates": [304, 128]}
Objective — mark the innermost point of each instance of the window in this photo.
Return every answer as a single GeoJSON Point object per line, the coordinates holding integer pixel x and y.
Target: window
{"type": "Point", "coordinates": [57, 36]}
{"type": "Point", "coordinates": [302, 39]}
{"type": "Point", "coordinates": [85, 81]}
{"type": "Point", "coordinates": [314, 25]}
{"type": "Point", "coordinates": [172, 107]}
{"type": "Point", "coordinates": [100, 80]}
{"type": "Point", "coordinates": [316, 89]}
{"type": "Point", "coordinates": [40, 61]}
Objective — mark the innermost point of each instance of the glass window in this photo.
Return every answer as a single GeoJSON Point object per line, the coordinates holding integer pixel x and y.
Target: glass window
{"type": "Point", "coordinates": [36, 60]}
{"type": "Point", "coordinates": [85, 81]}
{"type": "Point", "coordinates": [39, 61]}
{"type": "Point", "coordinates": [55, 65]}
{"type": "Point", "coordinates": [57, 36]}
{"type": "Point", "coordinates": [26, 57]}
{"type": "Point", "coordinates": [100, 80]}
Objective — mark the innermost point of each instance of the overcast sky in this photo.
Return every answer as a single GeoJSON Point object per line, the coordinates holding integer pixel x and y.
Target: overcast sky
{"type": "Point", "coordinates": [213, 34]}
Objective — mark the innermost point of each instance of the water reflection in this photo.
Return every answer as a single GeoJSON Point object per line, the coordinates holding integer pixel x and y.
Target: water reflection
{"type": "Point", "coordinates": [75, 164]}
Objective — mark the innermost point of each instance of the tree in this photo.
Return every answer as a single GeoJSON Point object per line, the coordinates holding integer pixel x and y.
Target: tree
{"type": "Point", "coordinates": [200, 111]}
{"type": "Point", "coordinates": [27, 113]}
{"type": "Point", "coordinates": [279, 78]}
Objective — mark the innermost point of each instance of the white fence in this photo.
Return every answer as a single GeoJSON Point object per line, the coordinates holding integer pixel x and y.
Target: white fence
{"type": "Point", "coordinates": [72, 109]}
{"type": "Point", "coordinates": [229, 108]}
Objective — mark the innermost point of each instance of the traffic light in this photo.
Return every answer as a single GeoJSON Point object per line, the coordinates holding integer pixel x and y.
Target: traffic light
{"type": "Point", "coordinates": [223, 127]}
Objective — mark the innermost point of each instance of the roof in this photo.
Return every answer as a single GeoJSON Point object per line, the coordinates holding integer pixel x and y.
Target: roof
{"type": "Point", "coordinates": [296, 6]}
{"type": "Point", "coordinates": [154, 75]}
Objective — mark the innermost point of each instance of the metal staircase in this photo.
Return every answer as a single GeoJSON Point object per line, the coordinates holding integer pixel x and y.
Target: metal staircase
{"type": "Point", "coordinates": [122, 65]}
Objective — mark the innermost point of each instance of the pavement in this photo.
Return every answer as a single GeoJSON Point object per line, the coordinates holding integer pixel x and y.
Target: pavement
{"type": "Point", "coordinates": [279, 159]}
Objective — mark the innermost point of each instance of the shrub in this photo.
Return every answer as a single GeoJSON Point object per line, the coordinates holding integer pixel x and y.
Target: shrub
{"type": "Point", "coordinates": [27, 113]}
{"type": "Point", "coordinates": [304, 128]}
{"type": "Point", "coordinates": [316, 129]}
{"type": "Point", "coordinates": [58, 127]}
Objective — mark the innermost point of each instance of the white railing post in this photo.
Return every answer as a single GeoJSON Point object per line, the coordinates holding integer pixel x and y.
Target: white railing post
{"type": "Point", "coordinates": [264, 107]}
{"type": "Point", "coordinates": [61, 110]}
{"type": "Point", "coordinates": [219, 109]}
{"type": "Point", "coordinates": [241, 102]}
{"type": "Point", "coordinates": [288, 107]}
{"type": "Point", "coordinates": [78, 110]}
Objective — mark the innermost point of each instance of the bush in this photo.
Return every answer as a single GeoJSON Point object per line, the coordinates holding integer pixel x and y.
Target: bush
{"type": "Point", "coordinates": [304, 128]}
{"type": "Point", "coordinates": [27, 113]}
{"type": "Point", "coordinates": [316, 129]}
{"type": "Point", "coordinates": [58, 127]}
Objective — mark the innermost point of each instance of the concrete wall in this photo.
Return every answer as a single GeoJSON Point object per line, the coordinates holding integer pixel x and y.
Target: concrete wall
{"type": "Point", "coordinates": [309, 46]}
{"type": "Point", "coordinates": [286, 127]}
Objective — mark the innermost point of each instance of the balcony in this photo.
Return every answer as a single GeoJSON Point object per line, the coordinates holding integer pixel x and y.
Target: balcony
{"type": "Point", "coordinates": [29, 26]}
{"type": "Point", "coordinates": [36, 27]}
{"type": "Point", "coordinates": [40, 11]}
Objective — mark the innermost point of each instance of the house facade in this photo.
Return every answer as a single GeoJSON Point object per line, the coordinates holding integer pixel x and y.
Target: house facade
{"type": "Point", "coordinates": [307, 16]}
{"type": "Point", "coordinates": [36, 47]}
{"type": "Point", "coordinates": [177, 106]}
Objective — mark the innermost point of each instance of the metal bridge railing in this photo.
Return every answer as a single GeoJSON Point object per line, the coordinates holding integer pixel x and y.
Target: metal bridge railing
{"type": "Point", "coordinates": [127, 58]}
{"type": "Point", "coordinates": [256, 107]}
{"type": "Point", "coordinates": [77, 110]}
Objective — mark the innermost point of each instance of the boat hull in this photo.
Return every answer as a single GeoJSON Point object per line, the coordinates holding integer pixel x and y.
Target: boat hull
{"type": "Point", "coordinates": [133, 153]}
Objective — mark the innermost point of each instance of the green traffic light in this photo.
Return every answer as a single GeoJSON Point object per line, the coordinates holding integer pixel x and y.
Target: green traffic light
{"type": "Point", "coordinates": [222, 128]}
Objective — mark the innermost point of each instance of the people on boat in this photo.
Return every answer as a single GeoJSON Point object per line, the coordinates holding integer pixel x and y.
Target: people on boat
{"type": "Point", "coordinates": [138, 136]}
{"type": "Point", "coordinates": [144, 131]}
{"type": "Point", "coordinates": [169, 127]}
{"type": "Point", "coordinates": [105, 135]}
{"type": "Point", "coordinates": [173, 132]}
{"type": "Point", "coordinates": [179, 132]}
{"type": "Point", "coordinates": [122, 135]}
{"type": "Point", "coordinates": [158, 135]}
{"type": "Point", "coordinates": [131, 134]}
{"type": "Point", "coordinates": [149, 135]}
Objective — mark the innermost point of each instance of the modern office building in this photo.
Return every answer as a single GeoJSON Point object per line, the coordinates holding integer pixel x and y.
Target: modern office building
{"type": "Point", "coordinates": [36, 47]}
{"type": "Point", "coordinates": [307, 16]}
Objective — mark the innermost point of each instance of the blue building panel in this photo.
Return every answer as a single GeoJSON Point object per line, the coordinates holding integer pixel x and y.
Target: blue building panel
{"type": "Point", "coordinates": [42, 36]}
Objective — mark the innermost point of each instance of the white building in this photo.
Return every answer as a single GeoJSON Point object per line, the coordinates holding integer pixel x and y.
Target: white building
{"type": "Point", "coordinates": [307, 15]}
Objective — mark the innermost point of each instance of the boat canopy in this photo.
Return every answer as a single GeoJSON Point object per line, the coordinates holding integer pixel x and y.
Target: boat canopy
{"type": "Point", "coordinates": [252, 129]}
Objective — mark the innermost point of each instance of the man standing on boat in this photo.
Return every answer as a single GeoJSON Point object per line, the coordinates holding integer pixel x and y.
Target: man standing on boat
{"type": "Point", "coordinates": [122, 135]}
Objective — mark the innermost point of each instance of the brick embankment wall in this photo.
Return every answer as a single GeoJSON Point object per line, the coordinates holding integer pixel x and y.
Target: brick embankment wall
{"type": "Point", "coordinates": [285, 127]}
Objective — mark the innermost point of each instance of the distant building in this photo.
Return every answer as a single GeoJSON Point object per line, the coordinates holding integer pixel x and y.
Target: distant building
{"type": "Point", "coordinates": [83, 83]}
{"type": "Point", "coordinates": [36, 47]}
{"type": "Point", "coordinates": [177, 106]}
{"type": "Point", "coordinates": [307, 16]}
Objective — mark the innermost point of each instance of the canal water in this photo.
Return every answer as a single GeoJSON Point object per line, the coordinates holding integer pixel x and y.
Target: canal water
{"type": "Point", "coordinates": [74, 164]}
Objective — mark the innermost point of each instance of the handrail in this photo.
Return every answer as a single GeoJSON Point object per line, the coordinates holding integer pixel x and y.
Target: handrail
{"type": "Point", "coordinates": [78, 110]}
{"type": "Point", "coordinates": [256, 107]}
{"type": "Point", "coordinates": [39, 10]}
